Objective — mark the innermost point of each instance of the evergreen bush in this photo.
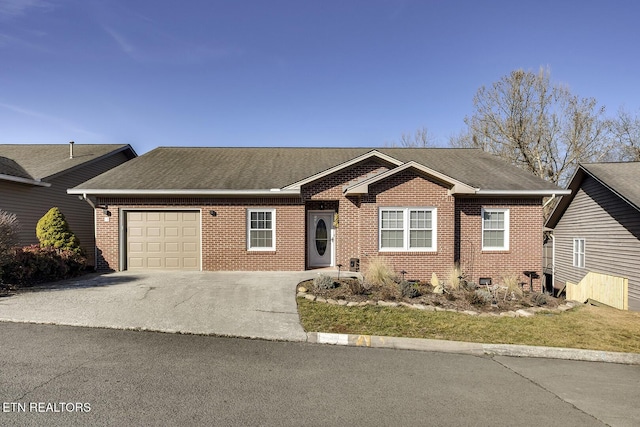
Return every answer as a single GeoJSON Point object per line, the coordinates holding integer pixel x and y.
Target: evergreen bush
{"type": "Point", "coordinates": [53, 230]}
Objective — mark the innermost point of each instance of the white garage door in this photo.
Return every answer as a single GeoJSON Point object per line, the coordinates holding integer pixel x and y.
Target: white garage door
{"type": "Point", "coordinates": [163, 240]}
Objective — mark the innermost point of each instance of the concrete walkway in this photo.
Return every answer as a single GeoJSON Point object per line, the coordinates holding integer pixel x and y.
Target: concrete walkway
{"type": "Point", "coordinates": [244, 304]}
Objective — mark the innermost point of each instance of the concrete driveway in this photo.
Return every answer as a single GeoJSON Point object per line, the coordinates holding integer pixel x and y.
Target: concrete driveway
{"type": "Point", "coordinates": [243, 304]}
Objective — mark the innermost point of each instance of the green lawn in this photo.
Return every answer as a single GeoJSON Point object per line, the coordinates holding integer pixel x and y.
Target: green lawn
{"type": "Point", "coordinates": [583, 327]}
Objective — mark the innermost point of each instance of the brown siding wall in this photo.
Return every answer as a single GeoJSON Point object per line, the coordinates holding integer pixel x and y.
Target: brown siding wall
{"type": "Point", "coordinates": [525, 239]}
{"type": "Point", "coordinates": [30, 203]}
{"type": "Point", "coordinates": [224, 241]}
{"type": "Point", "coordinates": [611, 229]}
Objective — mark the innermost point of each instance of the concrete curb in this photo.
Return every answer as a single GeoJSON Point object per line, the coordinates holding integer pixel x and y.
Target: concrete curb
{"type": "Point", "coordinates": [476, 349]}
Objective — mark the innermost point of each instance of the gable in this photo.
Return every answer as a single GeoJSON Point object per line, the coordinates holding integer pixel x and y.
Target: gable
{"type": "Point", "coordinates": [617, 179]}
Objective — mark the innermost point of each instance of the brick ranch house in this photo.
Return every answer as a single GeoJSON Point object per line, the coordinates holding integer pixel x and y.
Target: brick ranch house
{"type": "Point", "coordinates": [301, 208]}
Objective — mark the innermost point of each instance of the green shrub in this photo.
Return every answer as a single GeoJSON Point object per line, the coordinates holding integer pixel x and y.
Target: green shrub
{"type": "Point", "coordinates": [408, 289]}
{"type": "Point", "coordinates": [53, 230]}
{"type": "Point", "coordinates": [34, 264]}
{"type": "Point", "coordinates": [356, 287]}
{"type": "Point", "coordinates": [480, 297]}
{"type": "Point", "coordinates": [323, 282]}
{"type": "Point", "coordinates": [539, 299]}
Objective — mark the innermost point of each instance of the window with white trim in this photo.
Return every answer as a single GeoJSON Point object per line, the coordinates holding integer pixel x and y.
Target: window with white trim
{"type": "Point", "coordinates": [261, 229]}
{"type": "Point", "coordinates": [495, 229]}
{"type": "Point", "coordinates": [578, 253]}
{"type": "Point", "coordinates": [407, 229]}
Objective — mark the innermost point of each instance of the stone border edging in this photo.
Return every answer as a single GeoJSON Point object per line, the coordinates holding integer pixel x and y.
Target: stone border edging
{"type": "Point", "coordinates": [476, 349]}
{"type": "Point", "coordinates": [523, 312]}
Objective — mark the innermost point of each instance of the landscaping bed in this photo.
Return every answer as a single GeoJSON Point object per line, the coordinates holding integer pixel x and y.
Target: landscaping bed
{"type": "Point", "coordinates": [496, 299]}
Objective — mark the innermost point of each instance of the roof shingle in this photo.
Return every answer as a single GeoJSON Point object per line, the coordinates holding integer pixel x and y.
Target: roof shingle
{"type": "Point", "coordinates": [41, 161]}
{"type": "Point", "coordinates": [196, 168]}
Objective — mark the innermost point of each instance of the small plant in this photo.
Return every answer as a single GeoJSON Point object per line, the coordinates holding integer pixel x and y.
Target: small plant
{"type": "Point", "coordinates": [378, 272]}
{"type": "Point", "coordinates": [456, 277]}
{"type": "Point", "coordinates": [480, 297]}
{"type": "Point", "coordinates": [356, 287]}
{"type": "Point", "coordinates": [511, 283]}
{"type": "Point", "coordinates": [539, 299]}
{"type": "Point", "coordinates": [324, 282]}
{"type": "Point", "coordinates": [53, 230]}
{"type": "Point", "coordinates": [468, 286]}
{"type": "Point", "coordinates": [408, 289]}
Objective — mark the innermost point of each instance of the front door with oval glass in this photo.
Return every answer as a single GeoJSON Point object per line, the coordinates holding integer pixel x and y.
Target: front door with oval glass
{"type": "Point", "coordinates": [320, 238]}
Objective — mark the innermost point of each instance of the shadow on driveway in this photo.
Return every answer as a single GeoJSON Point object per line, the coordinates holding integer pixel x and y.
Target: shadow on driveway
{"type": "Point", "coordinates": [245, 304]}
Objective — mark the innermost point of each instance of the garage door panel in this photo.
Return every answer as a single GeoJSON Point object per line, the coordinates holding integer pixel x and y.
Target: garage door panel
{"type": "Point", "coordinates": [154, 247]}
{"type": "Point", "coordinates": [190, 263]}
{"type": "Point", "coordinates": [191, 216]}
{"type": "Point", "coordinates": [189, 231]}
{"type": "Point", "coordinates": [136, 262]}
{"type": "Point", "coordinates": [172, 247]}
{"type": "Point", "coordinates": [189, 247]}
{"type": "Point", "coordinates": [163, 240]}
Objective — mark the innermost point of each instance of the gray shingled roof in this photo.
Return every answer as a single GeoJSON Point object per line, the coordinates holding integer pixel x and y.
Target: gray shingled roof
{"type": "Point", "coordinates": [621, 178]}
{"type": "Point", "coordinates": [40, 161]}
{"type": "Point", "coordinates": [195, 168]}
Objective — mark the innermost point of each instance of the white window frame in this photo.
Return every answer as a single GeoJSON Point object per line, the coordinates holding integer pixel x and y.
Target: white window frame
{"type": "Point", "coordinates": [505, 246]}
{"type": "Point", "coordinates": [406, 230]}
{"type": "Point", "coordinates": [272, 229]}
{"type": "Point", "coordinates": [579, 255]}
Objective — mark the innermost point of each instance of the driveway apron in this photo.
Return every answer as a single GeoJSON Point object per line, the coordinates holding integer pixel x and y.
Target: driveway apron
{"type": "Point", "coordinates": [242, 304]}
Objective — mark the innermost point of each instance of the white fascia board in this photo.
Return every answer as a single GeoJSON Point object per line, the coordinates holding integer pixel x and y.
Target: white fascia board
{"type": "Point", "coordinates": [374, 153]}
{"type": "Point", "coordinates": [543, 193]}
{"type": "Point", "coordinates": [457, 187]}
{"type": "Point", "coordinates": [24, 180]}
{"type": "Point", "coordinates": [186, 192]}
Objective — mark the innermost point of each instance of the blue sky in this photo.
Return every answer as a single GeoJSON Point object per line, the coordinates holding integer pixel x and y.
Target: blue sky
{"type": "Point", "coordinates": [291, 73]}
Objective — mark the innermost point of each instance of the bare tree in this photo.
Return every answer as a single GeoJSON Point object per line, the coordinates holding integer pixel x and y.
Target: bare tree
{"type": "Point", "coordinates": [9, 228]}
{"type": "Point", "coordinates": [535, 125]}
{"type": "Point", "coordinates": [625, 131]}
{"type": "Point", "coordinates": [421, 138]}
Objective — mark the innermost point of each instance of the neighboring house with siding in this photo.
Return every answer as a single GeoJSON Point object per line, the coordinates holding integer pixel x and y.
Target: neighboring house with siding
{"type": "Point", "coordinates": [303, 208]}
{"type": "Point", "coordinates": [597, 228]}
{"type": "Point", "coordinates": [35, 177]}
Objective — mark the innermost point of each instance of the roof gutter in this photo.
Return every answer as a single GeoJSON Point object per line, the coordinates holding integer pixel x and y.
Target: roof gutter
{"type": "Point", "coordinates": [544, 193]}
{"type": "Point", "coordinates": [112, 192]}
{"type": "Point", "coordinates": [24, 180]}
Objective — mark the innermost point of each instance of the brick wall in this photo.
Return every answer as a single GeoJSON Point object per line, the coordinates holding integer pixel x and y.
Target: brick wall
{"type": "Point", "coordinates": [459, 227]}
{"type": "Point", "coordinates": [224, 236]}
{"type": "Point", "coordinates": [525, 239]}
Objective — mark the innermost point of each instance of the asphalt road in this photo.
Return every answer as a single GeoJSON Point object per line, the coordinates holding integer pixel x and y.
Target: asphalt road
{"type": "Point", "coordinates": [60, 375]}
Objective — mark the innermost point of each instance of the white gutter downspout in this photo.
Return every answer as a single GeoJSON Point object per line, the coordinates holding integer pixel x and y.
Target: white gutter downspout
{"type": "Point", "coordinates": [553, 196]}
{"type": "Point", "coordinates": [95, 228]}
{"type": "Point", "coordinates": [553, 262]}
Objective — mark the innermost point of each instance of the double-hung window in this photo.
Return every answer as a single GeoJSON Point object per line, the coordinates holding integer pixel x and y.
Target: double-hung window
{"type": "Point", "coordinates": [407, 229]}
{"type": "Point", "coordinates": [261, 229]}
{"type": "Point", "coordinates": [578, 253]}
{"type": "Point", "coordinates": [495, 229]}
